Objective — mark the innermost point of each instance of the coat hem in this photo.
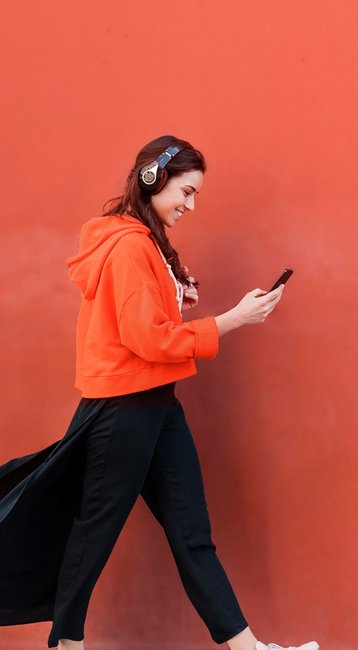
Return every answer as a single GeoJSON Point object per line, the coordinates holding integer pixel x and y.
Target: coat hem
{"type": "Point", "coordinates": [145, 378]}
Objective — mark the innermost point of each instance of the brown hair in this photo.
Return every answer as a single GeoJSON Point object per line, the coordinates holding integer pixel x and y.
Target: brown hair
{"type": "Point", "coordinates": [136, 202]}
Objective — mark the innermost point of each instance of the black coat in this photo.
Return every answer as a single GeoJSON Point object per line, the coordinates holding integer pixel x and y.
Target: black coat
{"type": "Point", "coordinates": [40, 494]}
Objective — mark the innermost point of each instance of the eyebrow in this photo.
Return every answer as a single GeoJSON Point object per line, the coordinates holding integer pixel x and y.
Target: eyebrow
{"type": "Point", "coordinates": [193, 188]}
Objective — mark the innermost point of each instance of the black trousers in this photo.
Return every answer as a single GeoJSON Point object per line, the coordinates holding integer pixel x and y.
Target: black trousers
{"type": "Point", "coordinates": [140, 444]}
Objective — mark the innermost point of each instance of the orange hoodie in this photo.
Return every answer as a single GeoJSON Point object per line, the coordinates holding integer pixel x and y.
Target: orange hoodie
{"type": "Point", "coordinates": [130, 332]}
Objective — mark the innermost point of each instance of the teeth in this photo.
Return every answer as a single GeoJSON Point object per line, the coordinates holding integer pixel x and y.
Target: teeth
{"type": "Point", "coordinates": [178, 213]}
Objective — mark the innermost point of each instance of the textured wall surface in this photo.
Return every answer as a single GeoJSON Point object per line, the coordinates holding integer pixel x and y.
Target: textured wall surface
{"type": "Point", "coordinates": [267, 90]}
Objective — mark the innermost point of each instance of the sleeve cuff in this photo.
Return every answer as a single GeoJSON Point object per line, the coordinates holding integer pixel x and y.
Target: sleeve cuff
{"type": "Point", "coordinates": [206, 337]}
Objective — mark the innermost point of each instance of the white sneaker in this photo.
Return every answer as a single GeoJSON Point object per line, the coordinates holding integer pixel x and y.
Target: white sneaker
{"type": "Point", "coordinates": [312, 645]}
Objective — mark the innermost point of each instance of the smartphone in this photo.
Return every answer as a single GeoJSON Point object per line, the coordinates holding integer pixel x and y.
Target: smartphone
{"type": "Point", "coordinates": [282, 279]}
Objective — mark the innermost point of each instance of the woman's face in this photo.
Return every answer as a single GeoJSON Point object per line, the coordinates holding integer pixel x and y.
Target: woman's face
{"type": "Point", "coordinates": [177, 196]}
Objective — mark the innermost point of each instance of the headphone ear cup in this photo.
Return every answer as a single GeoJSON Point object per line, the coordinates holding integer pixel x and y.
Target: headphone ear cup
{"type": "Point", "coordinates": [148, 174]}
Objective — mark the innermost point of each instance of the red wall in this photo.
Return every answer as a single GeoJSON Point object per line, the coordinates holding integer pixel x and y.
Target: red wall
{"type": "Point", "coordinates": [268, 91]}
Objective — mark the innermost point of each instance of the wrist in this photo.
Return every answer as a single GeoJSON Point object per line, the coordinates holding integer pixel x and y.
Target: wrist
{"type": "Point", "coordinates": [227, 321]}
{"type": "Point", "coordinates": [237, 318]}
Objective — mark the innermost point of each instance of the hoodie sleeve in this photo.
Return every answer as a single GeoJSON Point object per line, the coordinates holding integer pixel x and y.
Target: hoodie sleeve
{"type": "Point", "coordinates": [145, 329]}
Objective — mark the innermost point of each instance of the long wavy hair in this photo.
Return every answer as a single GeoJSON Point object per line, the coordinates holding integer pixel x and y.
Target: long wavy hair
{"type": "Point", "coordinates": [136, 202]}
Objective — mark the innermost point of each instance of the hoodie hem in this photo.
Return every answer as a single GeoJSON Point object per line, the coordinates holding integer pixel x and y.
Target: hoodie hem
{"type": "Point", "coordinates": [114, 385]}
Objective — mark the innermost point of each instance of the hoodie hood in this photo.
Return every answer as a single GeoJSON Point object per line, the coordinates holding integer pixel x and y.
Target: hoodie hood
{"type": "Point", "coordinates": [98, 236]}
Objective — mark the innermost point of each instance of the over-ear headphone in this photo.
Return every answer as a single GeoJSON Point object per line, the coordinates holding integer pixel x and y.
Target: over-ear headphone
{"type": "Point", "coordinates": [153, 177]}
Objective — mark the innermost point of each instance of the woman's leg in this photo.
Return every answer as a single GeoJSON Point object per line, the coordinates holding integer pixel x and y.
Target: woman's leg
{"type": "Point", "coordinates": [174, 492]}
{"type": "Point", "coordinates": [118, 449]}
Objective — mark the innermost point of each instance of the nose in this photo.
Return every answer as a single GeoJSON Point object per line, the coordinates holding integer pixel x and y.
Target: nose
{"type": "Point", "coordinates": [189, 202]}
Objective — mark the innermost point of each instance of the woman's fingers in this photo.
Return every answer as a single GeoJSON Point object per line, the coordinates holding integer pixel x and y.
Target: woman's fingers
{"type": "Point", "coordinates": [191, 292]}
{"type": "Point", "coordinates": [270, 306]}
{"type": "Point", "coordinates": [190, 278]}
{"type": "Point", "coordinates": [272, 297]}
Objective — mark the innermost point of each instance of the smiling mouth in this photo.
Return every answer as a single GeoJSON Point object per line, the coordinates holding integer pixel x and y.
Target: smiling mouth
{"type": "Point", "coordinates": [178, 213]}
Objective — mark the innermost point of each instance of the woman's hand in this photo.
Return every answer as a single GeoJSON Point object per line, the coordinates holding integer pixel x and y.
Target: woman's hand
{"type": "Point", "coordinates": [191, 297]}
{"type": "Point", "coordinates": [255, 307]}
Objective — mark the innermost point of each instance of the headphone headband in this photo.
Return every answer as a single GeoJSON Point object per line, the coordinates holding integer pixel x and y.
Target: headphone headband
{"type": "Point", "coordinates": [167, 155]}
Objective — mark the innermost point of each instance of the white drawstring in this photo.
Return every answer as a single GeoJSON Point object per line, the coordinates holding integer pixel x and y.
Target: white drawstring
{"type": "Point", "coordinates": [179, 290]}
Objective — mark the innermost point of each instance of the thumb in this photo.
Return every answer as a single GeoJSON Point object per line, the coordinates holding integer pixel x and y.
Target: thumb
{"type": "Point", "coordinates": [258, 292]}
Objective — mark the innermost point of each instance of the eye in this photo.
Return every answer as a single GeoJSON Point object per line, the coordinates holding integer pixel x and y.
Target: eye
{"type": "Point", "coordinates": [186, 193]}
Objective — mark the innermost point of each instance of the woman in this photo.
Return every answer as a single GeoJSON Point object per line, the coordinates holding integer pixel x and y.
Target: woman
{"type": "Point", "coordinates": [130, 430]}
